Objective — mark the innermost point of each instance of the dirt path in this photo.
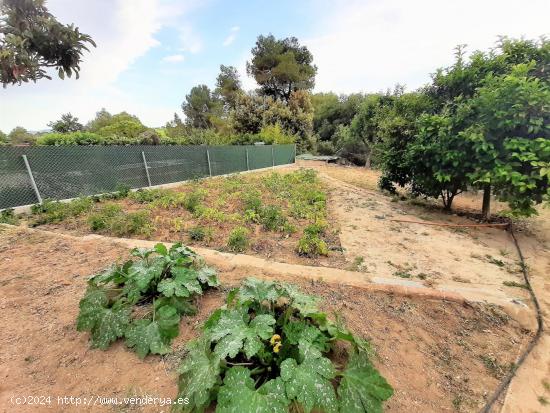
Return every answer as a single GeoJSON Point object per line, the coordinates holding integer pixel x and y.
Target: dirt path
{"type": "Point", "coordinates": [439, 355]}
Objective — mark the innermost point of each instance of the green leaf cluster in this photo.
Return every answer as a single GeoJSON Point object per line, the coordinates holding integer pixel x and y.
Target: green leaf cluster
{"type": "Point", "coordinates": [143, 299]}
{"type": "Point", "coordinates": [268, 350]}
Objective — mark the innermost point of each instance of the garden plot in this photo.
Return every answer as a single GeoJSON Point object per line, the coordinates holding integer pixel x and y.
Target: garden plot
{"type": "Point", "coordinates": [281, 216]}
{"type": "Point", "coordinates": [437, 355]}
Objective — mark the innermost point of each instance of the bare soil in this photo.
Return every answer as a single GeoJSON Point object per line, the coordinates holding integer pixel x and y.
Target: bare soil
{"type": "Point", "coordinates": [439, 356]}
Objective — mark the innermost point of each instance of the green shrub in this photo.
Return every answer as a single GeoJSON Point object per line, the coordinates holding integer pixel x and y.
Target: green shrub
{"type": "Point", "coordinates": [252, 201]}
{"type": "Point", "coordinates": [200, 233]}
{"type": "Point", "coordinates": [72, 138]}
{"type": "Point", "coordinates": [121, 191]}
{"type": "Point", "coordinates": [238, 239]}
{"type": "Point", "coordinates": [133, 223]}
{"type": "Point", "coordinates": [193, 200]}
{"type": "Point", "coordinates": [311, 244]}
{"type": "Point", "coordinates": [7, 216]}
{"type": "Point", "coordinates": [102, 218]}
{"type": "Point", "coordinates": [272, 218]}
{"type": "Point", "coordinates": [144, 196]}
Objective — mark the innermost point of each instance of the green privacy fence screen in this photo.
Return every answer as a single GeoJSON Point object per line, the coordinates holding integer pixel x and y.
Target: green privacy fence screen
{"type": "Point", "coordinates": [62, 172]}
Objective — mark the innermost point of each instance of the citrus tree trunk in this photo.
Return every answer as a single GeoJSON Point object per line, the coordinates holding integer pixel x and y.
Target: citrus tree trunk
{"type": "Point", "coordinates": [486, 208]}
{"type": "Point", "coordinates": [367, 160]}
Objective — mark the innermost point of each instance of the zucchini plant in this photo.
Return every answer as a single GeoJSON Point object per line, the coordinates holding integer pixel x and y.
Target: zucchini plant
{"type": "Point", "coordinates": [143, 299]}
{"type": "Point", "coordinates": [268, 350]}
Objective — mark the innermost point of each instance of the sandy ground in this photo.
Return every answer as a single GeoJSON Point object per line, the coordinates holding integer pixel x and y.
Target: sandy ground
{"type": "Point", "coordinates": [465, 260]}
{"type": "Point", "coordinates": [440, 356]}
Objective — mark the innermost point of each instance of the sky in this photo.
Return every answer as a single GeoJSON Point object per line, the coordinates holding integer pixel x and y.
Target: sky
{"type": "Point", "coordinates": [150, 53]}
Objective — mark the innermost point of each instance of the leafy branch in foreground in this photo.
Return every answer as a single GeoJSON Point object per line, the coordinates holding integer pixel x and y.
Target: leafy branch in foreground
{"type": "Point", "coordinates": [143, 300]}
{"type": "Point", "coordinates": [268, 350]}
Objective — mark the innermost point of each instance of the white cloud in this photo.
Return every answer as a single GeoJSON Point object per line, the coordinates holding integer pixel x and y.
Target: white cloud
{"type": "Point", "coordinates": [173, 58]}
{"type": "Point", "coordinates": [190, 41]}
{"type": "Point", "coordinates": [232, 35]}
{"type": "Point", "coordinates": [372, 45]}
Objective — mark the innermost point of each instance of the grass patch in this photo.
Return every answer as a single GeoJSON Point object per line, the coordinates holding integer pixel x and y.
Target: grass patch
{"type": "Point", "coordinates": [7, 216]}
{"type": "Point", "coordinates": [55, 211]}
{"type": "Point", "coordinates": [111, 218]}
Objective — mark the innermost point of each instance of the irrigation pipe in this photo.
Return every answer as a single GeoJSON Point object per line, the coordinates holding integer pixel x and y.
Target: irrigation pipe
{"type": "Point", "coordinates": [443, 224]}
{"type": "Point", "coordinates": [503, 386]}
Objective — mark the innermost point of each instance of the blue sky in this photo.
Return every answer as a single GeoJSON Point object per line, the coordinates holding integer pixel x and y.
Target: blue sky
{"type": "Point", "coordinates": [151, 52]}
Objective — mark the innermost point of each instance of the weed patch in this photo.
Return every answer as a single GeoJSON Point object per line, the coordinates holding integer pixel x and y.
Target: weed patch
{"type": "Point", "coordinates": [238, 239]}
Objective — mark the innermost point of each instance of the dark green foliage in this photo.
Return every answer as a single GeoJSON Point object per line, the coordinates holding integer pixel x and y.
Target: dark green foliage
{"type": "Point", "coordinates": [228, 86]}
{"type": "Point", "coordinates": [238, 239]}
{"type": "Point", "coordinates": [67, 123]}
{"type": "Point", "coordinates": [143, 300]}
{"type": "Point", "coordinates": [485, 127]}
{"type": "Point", "coordinates": [269, 349]}
{"type": "Point", "coordinates": [20, 136]}
{"type": "Point", "coordinates": [197, 233]}
{"type": "Point", "coordinates": [281, 67]}
{"type": "Point", "coordinates": [32, 40]}
{"type": "Point", "coordinates": [200, 106]}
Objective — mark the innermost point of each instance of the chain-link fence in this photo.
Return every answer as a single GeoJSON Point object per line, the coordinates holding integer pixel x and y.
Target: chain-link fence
{"type": "Point", "coordinates": [31, 174]}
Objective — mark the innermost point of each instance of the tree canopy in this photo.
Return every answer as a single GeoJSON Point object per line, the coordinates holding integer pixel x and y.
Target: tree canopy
{"type": "Point", "coordinates": [32, 40]}
{"type": "Point", "coordinates": [67, 123]}
{"type": "Point", "coordinates": [281, 66]}
{"type": "Point", "coordinates": [228, 86]}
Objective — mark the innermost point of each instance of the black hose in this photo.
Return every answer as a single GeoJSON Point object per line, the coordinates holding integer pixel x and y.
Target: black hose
{"type": "Point", "coordinates": [503, 386]}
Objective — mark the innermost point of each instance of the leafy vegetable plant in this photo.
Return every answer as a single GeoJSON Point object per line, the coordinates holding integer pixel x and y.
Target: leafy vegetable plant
{"type": "Point", "coordinates": [143, 299]}
{"type": "Point", "coordinates": [268, 349]}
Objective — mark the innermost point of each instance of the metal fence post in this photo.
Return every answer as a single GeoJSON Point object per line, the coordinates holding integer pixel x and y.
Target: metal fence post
{"type": "Point", "coordinates": [272, 157]}
{"type": "Point", "coordinates": [294, 153]}
{"type": "Point", "coordinates": [33, 183]}
{"type": "Point", "coordinates": [247, 164]}
{"type": "Point", "coordinates": [146, 168]}
{"type": "Point", "coordinates": [208, 158]}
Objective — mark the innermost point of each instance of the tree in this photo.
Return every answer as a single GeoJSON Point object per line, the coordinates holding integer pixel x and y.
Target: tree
{"type": "Point", "coordinates": [228, 87]}
{"type": "Point", "coordinates": [510, 136]}
{"type": "Point", "coordinates": [67, 123]}
{"type": "Point", "coordinates": [331, 110]}
{"type": "Point", "coordinates": [247, 118]}
{"type": "Point", "coordinates": [122, 125]}
{"type": "Point", "coordinates": [199, 106]}
{"type": "Point", "coordinates": [3, 138]}
{"type": "Point", "coordinates": [439, 159]}
{"type": "Point", "coordinates": [32, 40]}
{"type": "Point", "coordinates": [102, 118]}
{"type": "Point", "coordinates": [365, 127]}
{"type": "Point", "coordinates": [281, 67]}
{"type": "Point", "coordinates": [295, 118]}
{"type": "Point", "coordinates": [20, 136]}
